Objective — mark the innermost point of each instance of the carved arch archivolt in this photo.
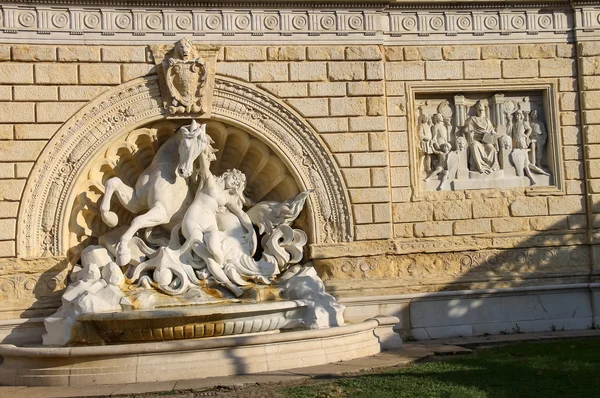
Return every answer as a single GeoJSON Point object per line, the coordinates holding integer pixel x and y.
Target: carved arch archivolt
{"type": "Point", "coordinates": [129, 119]}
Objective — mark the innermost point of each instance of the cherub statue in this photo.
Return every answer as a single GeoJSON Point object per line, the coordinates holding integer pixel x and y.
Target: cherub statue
{"type": "Point", "coordinates": [439, 131]}
{"type": "Point", "coordinates": [441, 163]}
{"type": "Point", "coordinates": [539, 135]}
{"type": "Point", "coordinates": [426, 144]}
{"type": "Point", "coordinates": [520, 130]}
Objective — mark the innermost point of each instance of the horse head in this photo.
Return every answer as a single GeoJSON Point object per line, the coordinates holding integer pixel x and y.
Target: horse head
{"type": "Point", "coordinates": [193, 142]}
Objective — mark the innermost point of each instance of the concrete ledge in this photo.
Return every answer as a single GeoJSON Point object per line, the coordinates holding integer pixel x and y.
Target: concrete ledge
{"type": "Point", "coordinates": [193, 359]}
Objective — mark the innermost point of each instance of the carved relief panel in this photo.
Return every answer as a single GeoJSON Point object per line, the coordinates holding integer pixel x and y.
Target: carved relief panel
{"type": "Point", "coordinates": [499, 138]}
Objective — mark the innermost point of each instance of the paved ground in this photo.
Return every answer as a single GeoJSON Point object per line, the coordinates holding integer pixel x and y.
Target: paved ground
{"type": "Point", "coordinates": [254, 385]}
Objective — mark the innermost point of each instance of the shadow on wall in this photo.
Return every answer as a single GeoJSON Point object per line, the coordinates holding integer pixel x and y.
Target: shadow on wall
{"type": "Point", "coordinates": [532, 288]}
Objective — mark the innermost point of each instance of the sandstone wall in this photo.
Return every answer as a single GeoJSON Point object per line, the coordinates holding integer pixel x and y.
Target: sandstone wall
{"type": "Point", "coordinates": [355, 98]}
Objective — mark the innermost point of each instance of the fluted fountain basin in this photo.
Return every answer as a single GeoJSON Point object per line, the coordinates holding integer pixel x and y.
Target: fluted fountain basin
{"type": "Point", "coordinates": [189, 322]}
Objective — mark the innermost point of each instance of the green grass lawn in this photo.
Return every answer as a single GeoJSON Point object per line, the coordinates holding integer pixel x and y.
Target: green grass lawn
{"type": "Point", "coordinates": [568, 368]}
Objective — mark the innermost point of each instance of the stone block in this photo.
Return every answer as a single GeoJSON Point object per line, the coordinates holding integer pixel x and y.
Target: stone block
{"type": "Point", "coordinates": [368, 159]}
{"type": "Point", "coordinates": [567, 84]}
{"type": "Point", "coordinates": [124, 54]}
{"type": "Point", "coordinates": [536, 51]}
{"type": "Point", "coordinates": [367, 123]}
{"type": "Point", "coordinates": [500, 52]}
{"type": "Point", "coordinates": [396, 106]}
{"type": "Point", "coordinates": [393, 89]}
{"type": "Point", "coordinates": [308, 71]}
{"type": "Point", "coordinates": [356, 142]}
{"type": "Point", "coordinates": [382, 212]}
{"type": "Point", "coordinates": [370, 195]}
{"type": "Point", "coordinates": [56, 112]}
{"type": "Point", "coordinates": [9, 209]}
{"type": "Point", "coordinates": [23, 169]}
{"type": "Point", "coordinates": [240, 70]}
{"type": "Point", "coordinates": [99, 74]}
{"type": "Point", "coordinates": [87, 53]}
{"type": "Point", "coordinates": [55, 74]}
{"type": "Point", "coordinates": [515, 224]}
{"type": "Point", "coordinates": [326, 89]}
{"type": "Point", "coordinates": [569, 119]}
{"type": "Point", "coordinates": [16, 73]}
{"type": "Point", "coordinates": [572, 136]}
{"type": "Point", "coordinates": [14, 151]}
{"type": "Point", "coordinates": [591, 100]}
{"type": "Point", "coordinates": [412, 212]}
{"type": "Point", "coordinates": [35, 131]}
{"type": "Point", "coordinates": [286, 90]}
{"type": "Point", "coordinates": [520, 68]}
{"type": "Point", "coordinates": [574, 153]}
{"type": "Point", "coordinates": [557, 67]}
{"type": "Point", "coordinates": [548, 223]}
{"type": "Point", "coordinates": [372, 231]}
{"type": "Point", "coordinates": [593, 165]}
{"type": "Point", "coordinates": [485, 69]}
{"type": "Point", "coordinates": [452, 210]}
{"type": "Point", "coordinates": [573, 170]}
{"type": "Point", "coordinates": [399, 159]}
{"type": "Point", "coordinates": [133, 71]}
{"type": "Point", "coordinates": [397, 123]}
{"type": "Point", "coordinates": [11, 189]}
{"type": "Point", "coordinates": [577, 222]}
{"type": "Point", "coordinates": [269, 72]}
{"type": "Point", "coordinates": [330, 125]}
{"type": "Point", "coordinates": [590, 66]}
{"type": "Point", "coordinates": [6, 93]}
{"type": "Point", "coordinates": [342, 159]}
{"type": "Point", "coordinates": [591, 117]}
{"type": "Point", "coordinates": [574, 187]}
{"type": "Point", "coordinates": [35, 93]}
{"type": "Point", "coordinates": [33, 53]}
{"type": "Point", "coordinates": [404, 71]}
{"type": "Point", "coordinates": [325, 53]}
{"type": "Point", "coordinates": [4, 53]}
{"type": "Point", "coordinates": [380, 177]}
{"type": "Point", "coordinates": [16, 112]}
{"type": "Point", "coordinates": [346, 106]}
{"type": "Point", "coordinates": [363, 214]}
{"type": "Point", "coordinates": [8, 229]}
{"type": "Point", "coordinates": [472, 227]}
{"type": "Point", "coordinates": [291, 53]}
{"type": "Point", "coordinates": [398, 141]}
{"type": "Point", "coordinates": [365, 88]}
{"type": "Point", "coordinates": [401, 195]}
{"type": "Point", "coordinates": [375, 106]}
{"type": "Point", "coordinates": [346, 71]}
{"type": "Point", "coordinates": [568, 101]}
{"type": "Point", "coordinates": [448, 70]}
{"type": "Point", "coordinates": [374, 70]}
{"type": "Point", "coordinates": [80, 93]}
{"type": "Point", "coordinates": [433, 228]}
{"type": "Point", "coordinates": [590, 83]}
{"type": "Point", "coordinates": [7, 170]}
{"type": "Point", "coordinates": [7, 248]}
{"type": "Point", "coordinates": [525, 206]}
{"type": "Point", "coordinates": [490, 208]}
{"type": "Point", "coordinates": [589, 48]}
{"type": "Point", "coordinates": [394, 53]}
{"type": "Point", "coordinates": [6, 131]}
{"type": "Point", "coordinates": [422, 53]}
{"type": "Point", "coordinates": [310, 107]}
{"type": "Point", "coordinates": [357, 178]}
{"type": "Point", "coordinates": [403, 230]}
{"type": "Point", "coordinates": [569, 204]}
{"type": "Point", "coordinates": [456, 53]}
{"type": "Point", "coordinates": [400, 177]}
{"type": "Point", "coordinates": [365, 53]}
{"type": "Point", "coordinates": [564, 50]}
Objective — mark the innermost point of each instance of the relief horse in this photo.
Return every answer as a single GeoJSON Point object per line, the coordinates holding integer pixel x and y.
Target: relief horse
{"type": "Point", "coordinates": [162, 190]}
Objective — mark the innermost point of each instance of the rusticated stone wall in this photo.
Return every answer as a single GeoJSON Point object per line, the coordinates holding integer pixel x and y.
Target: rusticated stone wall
{"type": "Point", "coordinates": [356, 98]}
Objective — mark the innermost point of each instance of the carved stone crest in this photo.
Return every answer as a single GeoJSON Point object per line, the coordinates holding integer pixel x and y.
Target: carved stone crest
{"type": "Point", "coordinates": [186, 75]}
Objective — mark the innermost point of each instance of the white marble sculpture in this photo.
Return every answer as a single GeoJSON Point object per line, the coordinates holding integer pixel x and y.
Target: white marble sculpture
{"type": "Point", "coordinates": [210, 245]}
{"type": "Point", "coordinates": [504, 136]}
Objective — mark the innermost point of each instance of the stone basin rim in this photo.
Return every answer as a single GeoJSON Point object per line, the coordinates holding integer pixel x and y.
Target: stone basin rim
{"type": "Point", "coordinates": [10, 350]}
{"type": "Point", "coordinates": [195, 310]}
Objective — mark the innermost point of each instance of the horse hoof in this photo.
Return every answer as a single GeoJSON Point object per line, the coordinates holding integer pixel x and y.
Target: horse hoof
{"type": "Point", "coordinates": [236, 290]}
{"type": "Point", "coordinates": [123, 257]}
{"type": "Point", "coordinates": [110, 218]}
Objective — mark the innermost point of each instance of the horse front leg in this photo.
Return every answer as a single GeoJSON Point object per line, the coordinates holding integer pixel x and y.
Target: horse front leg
{"type": "Point", "coordinates": [153, 217]}
{"type": "Point", "coordinates": [126, 196]}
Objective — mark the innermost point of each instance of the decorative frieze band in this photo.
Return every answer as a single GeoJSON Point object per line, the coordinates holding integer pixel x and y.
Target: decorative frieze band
{"type": "Point", "coordinates": [70, 23]}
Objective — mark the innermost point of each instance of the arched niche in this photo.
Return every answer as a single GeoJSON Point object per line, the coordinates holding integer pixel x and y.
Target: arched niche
{"type": "Point", "coordinates": [119, 132]}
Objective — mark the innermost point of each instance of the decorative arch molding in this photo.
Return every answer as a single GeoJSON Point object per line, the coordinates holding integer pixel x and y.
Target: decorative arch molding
{"type": "Point", "coordinates": [50, 190]}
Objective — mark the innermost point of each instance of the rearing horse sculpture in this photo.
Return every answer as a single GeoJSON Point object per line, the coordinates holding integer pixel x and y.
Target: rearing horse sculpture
{"type": "Point", "coordinates": [162, 188]}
